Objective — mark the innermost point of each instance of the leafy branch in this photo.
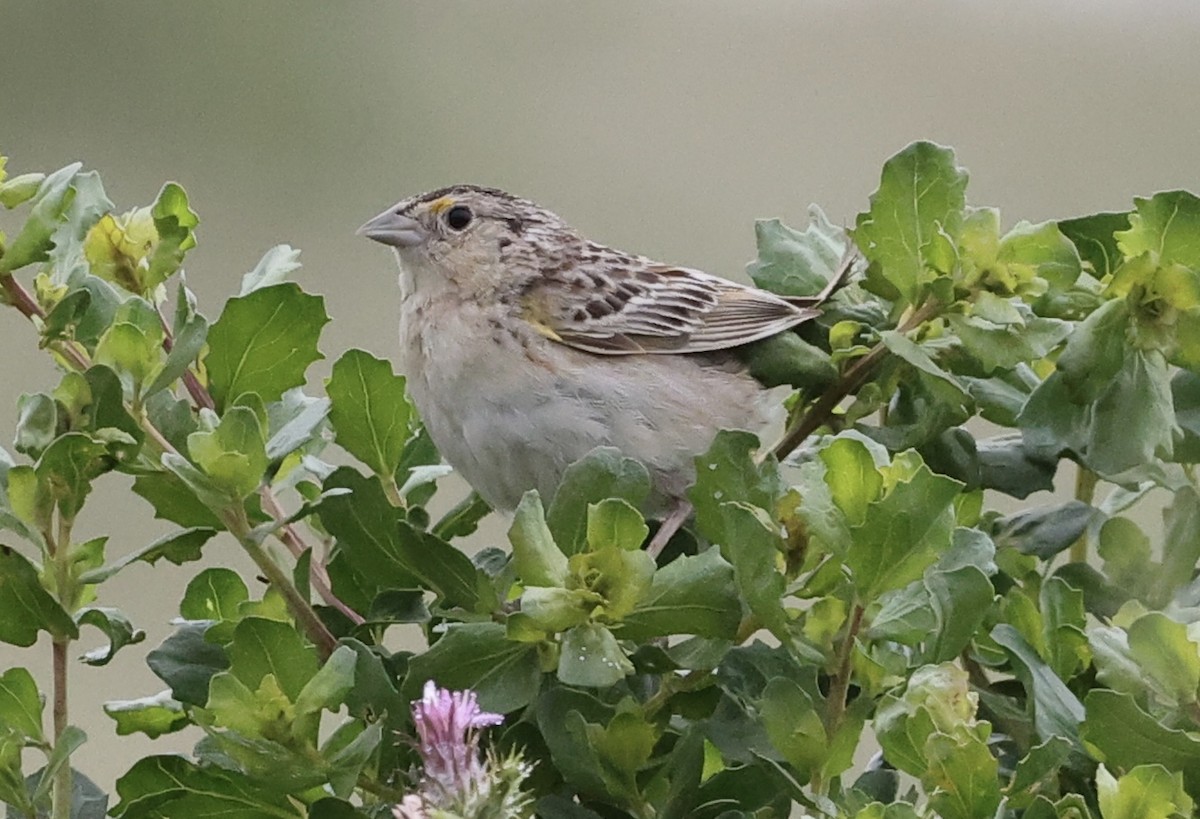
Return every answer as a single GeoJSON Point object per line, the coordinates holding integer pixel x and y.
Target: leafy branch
{"type": "Point", "coordinates": [999, 673]}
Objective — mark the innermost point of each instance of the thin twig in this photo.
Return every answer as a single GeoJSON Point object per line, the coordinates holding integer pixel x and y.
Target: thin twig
{"type": "Point", "coordinates": [295, 544]}
{"type": "Point", "coordinates": [237, 524]}
{"type": "Point", "coordinates": [19, 297]}
{"type": "Point", "coordinates": [840, 685]}
{"type": "Point", "coordinates": [669, 526]}
{"type": "Point", "coordinates": [854, 377]}
{"type": "Point", "coordinates": [1085, 490]}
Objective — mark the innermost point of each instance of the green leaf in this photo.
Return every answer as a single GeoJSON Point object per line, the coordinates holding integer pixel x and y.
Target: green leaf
{"type": "Point", "coordinates": [538, 561]}
{"type": "Point", "coordinates": [1162, 649]}
{"type": "Point", "coordinates": [263, 343]}
{"type": "Point", "coordinates": [1007, 465]}
{"type": "Point", "coordinates": [117, 249]}
{"type": "Point", "coordinates": [186, 662]}
{"type": "Point", "coordinates": [794, 725]}
{"type": "Point", "coordinates": [331, 808]}
{"type": "Point", "coordinates": [1095, 351]}
{"type": "Point", "coordinates": [690, 595]}
{"type": "Point", "coordinates": [372, 418]}
{"type": "Point", "coordinates": [916, 215]}
{"type": "Point", "coordinates": [115, 625]}
{"type": "Point", "coordinates": [1145, 792]}
{"type": "Point", "coordinates": [1043, 531]}
{"type": "Point", "coordinates": [728, 472]}
{"type": "Point", "coordinates": [750, 542]}
{"type": "Point", "coordinates": [618, 577]}
{"type": "Point", "coordinates": [25, 606]}
{"type": "Point", "coordinates": [67, 468]}
{"type": "Point", "coordinates": [177, 547]}
{"type": "Point", "coordinates": [905, 531]}
{"type": "Point", "coordinates": [1038, 770]}
{"type": "Point", "coordinates": [553, 609]}
{"type": "Point", "coordinates": [1133, 420]}
{"type": "Point", "coordinates": [347, 763]}
{"type": "Point", "coordinates": [463, 519]}
{"type": "Point", "coordinates": [963, 775]}
{"type": "Point", "coordinates": [853, 479]}
{"type": "Point", "coordinates": [386, 551]}
{"type": "Point", "coordinates": [1056, 711]}
{"type": "Point", "coordinates": [1041, 251]}
{"type": "Point", "coordinates": [568, 721]}
{"type": "Point", "coordinates": [54, 197]}
{"type": "Point", "coordinates": [174, 221]}
{"type": "Point", "coordinates": [961, 599]}
{"type": "Point", "coordinates": [614, 523]}
{"type": "Point", "coordinates": [86, 799]}
{"type": "Point", "coordinates": [214, 594]}
{"type": "Point", "coordinates": [505, 674]}
{"type": "Point", "coordinates": [172, 787]}
{"type": "Point", "coordinates": [20, 703]}
{"type": "Point", "coordinates": [133, 353]}
{"type": "Point", "coordinates": [1124, 737]}
{"type": "Point", "coordinates": [1095, 241]}
{"type": "Point", "coordinates": [174, 501]}
{"type": "Point", "coordinates": [942, 383]}
{"type": "Point", "coordinates": [153, 716]}
{"type": "Point", "coordinates": [375, 694]}
{"type": "Point", "coordinates": [1003, 347]}
{"type": "Point", "coordinates": [273, 268]}
{"type": "Point", "coordinates": [788, 359]}
{"type": "Point", "coordinates": [591, 657]}
{"type": "Point", "coordinates": [327, 689]}
{"type": "Point", "coordinates": [37, 423]}
{"type": "Point", "coordinates": [793, 262]}
{"type": "Point", "coordinates": [294, 423]}
{"type": "Point", "coordinates": [189, 341]}
{"type": "Point", "coordinates": [104, 414]}
{"type": "Point", "coordinates": [602, 473]}
{"type": "Point", "coordinates": [234, 455]}
{"type": "Point", "coordinates": [261, 647]}
{"type": "Point", "coordinates": [19, 189]}
{"type": "Point", "coordinates": [624, 747]}
{"type": "Point", "coordinates": [1166, 225]}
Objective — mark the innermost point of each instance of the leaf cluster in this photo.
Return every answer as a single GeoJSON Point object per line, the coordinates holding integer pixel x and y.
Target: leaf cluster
{"type": "Point", "coordinates": [853, 581]}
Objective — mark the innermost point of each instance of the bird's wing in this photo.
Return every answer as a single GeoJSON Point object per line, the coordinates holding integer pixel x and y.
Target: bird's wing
{"type": "Point", "coordinates": [624, 305]}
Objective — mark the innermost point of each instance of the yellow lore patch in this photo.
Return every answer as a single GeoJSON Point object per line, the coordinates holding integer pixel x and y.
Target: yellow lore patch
{"type": "Point", "coordinates": [439, 205]}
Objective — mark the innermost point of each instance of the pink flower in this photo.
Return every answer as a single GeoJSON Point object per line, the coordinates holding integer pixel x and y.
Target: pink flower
{"type": "Point", "coordinates": [455, 780]}
{"type": "Point", "coordinates": [447, 723]}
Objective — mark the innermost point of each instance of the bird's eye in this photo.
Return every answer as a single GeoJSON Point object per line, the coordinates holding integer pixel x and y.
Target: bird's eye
{"type": "Point", "coordinates": [458, 217]}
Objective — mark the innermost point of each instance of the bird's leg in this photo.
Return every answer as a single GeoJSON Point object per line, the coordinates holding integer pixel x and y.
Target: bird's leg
{"type": "Point", "coordinates": [680, 509]}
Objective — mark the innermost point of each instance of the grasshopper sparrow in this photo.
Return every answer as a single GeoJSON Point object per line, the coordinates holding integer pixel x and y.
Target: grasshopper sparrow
{"type": "Point", "coordinates": [526, 345]}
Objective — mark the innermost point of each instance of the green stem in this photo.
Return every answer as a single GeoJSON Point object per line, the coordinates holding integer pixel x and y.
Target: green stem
{"type": "Point", "coordinates": [19, 297]}
{"type": "Point", "coordinates": [391, 490]}
{"type": "Point", "coordinates": [61, 799]}
{"type": "Point", "coordinates": [839, 687]}
{"type": "Point", "coordinates": [1085, 490]}
{"type": "Point", "coordinates": [59, 547]}
{"type": "Point", "coordinates": [235, 520]}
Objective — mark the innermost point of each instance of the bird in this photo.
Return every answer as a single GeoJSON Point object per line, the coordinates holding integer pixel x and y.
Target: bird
{"type": "Point", "coordinates": [526, 345]}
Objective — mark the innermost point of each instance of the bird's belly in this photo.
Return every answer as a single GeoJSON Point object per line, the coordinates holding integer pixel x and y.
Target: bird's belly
{"type": "Point", "coordinates": [510, 414]}
{"type": "Point", "coordinates": [506, 438]}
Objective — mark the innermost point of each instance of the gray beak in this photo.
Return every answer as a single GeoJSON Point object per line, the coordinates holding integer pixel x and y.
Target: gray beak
{"type": "Point", "coordinates": [395, 229]}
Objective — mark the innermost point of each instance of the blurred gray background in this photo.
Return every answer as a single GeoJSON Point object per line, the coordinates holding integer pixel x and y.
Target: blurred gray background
{"type": "Point", "coordinates": [664, 128]}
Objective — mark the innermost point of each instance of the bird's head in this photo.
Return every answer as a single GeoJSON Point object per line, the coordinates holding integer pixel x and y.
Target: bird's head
{"type": "Point", "coordinates": [465, 237]}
